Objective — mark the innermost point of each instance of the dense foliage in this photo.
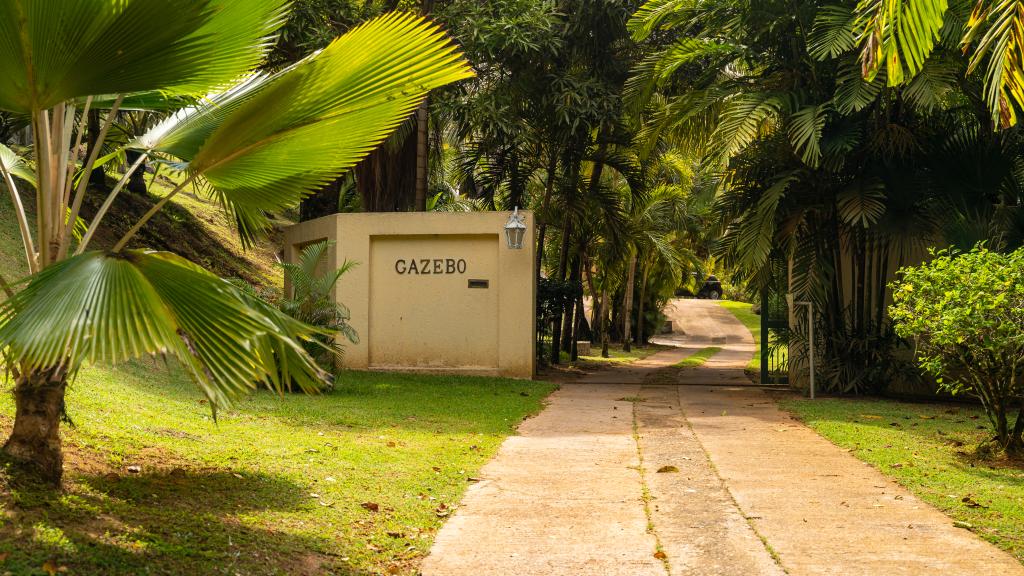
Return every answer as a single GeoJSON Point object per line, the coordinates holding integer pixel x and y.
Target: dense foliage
{"type": "Point", "coordinates": [965, 312]}
{"type": "Point", "coordinates": [829, 177]}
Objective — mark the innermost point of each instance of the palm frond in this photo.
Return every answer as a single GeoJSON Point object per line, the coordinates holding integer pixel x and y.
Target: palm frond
{"type": "Point", "coordinates": [862, 204]}
{"type": "Point", "coordinates": [100, 307]}
{"type": "Point", "coordinates": [805, 130]}
{"type": "Point", "coordinates": [899, 34]}
{"type": "Point", "coordinates": [57, 50]}
{"type": "Point", "coordinates": [17, 166]}
{"type": "Point", "coordinates": [653, 14]}
{"type": "Point", "coordinates": [853, 92]}
{"type": "Point", "coordinates": [1000, 25]}
{"type": "Point", "coordinates": [272, 140]}
{"type": "Point", "coordinates": [833, 32]}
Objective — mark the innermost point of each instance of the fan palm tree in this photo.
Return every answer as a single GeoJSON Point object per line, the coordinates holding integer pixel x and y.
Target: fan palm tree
{"type": "Point", "coordinates": [258, 142]}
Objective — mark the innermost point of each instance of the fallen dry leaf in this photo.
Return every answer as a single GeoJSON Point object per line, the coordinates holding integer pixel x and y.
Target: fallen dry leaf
{"type": "Point", "coordinates": [371, 506]}
{"type": "Point", "coordinates": [971, 503]}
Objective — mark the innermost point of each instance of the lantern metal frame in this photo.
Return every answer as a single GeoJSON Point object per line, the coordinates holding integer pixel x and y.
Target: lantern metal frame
{"type": "Point", "coordinates": [515, 230]}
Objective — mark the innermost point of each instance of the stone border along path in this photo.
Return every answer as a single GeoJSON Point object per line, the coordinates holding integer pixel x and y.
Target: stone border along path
{"type": "Point", "coordinates": [620, 476]}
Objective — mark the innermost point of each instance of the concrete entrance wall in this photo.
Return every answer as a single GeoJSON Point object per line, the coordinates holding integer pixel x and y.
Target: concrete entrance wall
{"type": "Point", "coordinates": [438, 292]}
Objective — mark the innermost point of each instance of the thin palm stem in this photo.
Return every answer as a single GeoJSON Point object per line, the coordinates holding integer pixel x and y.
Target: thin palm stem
{"type": "Point", "coordinates": [78, 144]}
{"type": "Point", "coordinates": [44, 155]}
{"type": "Point", "coordinates": [83, 181]}
{"type": "Point", "coordinates": [23, 227]}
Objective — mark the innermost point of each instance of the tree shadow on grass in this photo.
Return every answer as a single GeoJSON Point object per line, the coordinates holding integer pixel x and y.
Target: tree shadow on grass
{"type": "Point", "coordinates": [167, 522]}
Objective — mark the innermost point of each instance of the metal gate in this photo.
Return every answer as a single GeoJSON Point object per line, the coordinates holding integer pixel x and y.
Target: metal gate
{"type": "Point", "coordinates": [775, 331]}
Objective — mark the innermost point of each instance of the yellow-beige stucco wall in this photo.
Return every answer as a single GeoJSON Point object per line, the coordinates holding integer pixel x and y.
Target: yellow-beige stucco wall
{"type": "Point", "coordinates": [434, 292]}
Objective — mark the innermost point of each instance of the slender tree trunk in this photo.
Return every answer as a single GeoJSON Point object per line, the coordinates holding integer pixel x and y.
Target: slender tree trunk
{"type": "Point", "coordinates": [1017, 437]}
{"type": "Point", "coordinates": [604, 323]}
{"type": "Point", "coordinates": [577, 327]}
{"type": "Point", "coordinates": [422, 153]}
{"type": "Point", "coordinates": [627, 305]}
{"type": "Point", "coordinates": [137, 181]}
{"type": "Point", "coordinates": [35, 440]}
{"type": "Point", "coordinates": [545, 205]}
{"type": "Point", "coordinates": [568, 325]}
{"type": "Point", "coordinates": [595, 307]}
{"type": "Point", "coordinates": [423, 138]}
{"type": "Point", "coordinates": [563, 262]}
{"type": "Point", "coordinates": [641, 341]}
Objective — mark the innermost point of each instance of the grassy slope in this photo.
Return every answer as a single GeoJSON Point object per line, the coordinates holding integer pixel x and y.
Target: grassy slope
{"type": "Point", "coordinates": [189, 225]}
{"type": "Point", "coordinates": [744, 313]}
{"type": "Point", "coordinates": [238, 496]}
{"type": "Point", "coordinates": [276, 486]}
{"type": "Point", "coordinates": [929, 449]}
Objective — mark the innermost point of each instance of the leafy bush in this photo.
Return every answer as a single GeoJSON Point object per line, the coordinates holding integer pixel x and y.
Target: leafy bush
{"type": "Point", "coordinates": [966, 313]}
{"type": "Point", "coordinates": [311, 303]}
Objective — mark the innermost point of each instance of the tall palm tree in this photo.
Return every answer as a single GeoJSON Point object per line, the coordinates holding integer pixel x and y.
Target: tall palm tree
{"type": "Point", "coordinates": [258, 142]}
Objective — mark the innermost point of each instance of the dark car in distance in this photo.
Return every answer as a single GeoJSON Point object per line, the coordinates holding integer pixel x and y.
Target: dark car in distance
{"type": "Point", "coordinates": [711, 290]}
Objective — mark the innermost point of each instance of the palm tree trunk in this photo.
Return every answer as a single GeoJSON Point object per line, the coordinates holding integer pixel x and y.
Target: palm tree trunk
{"type": "Point", "coordinates": [422, 154]}
{"type": "Point", "coordinates": [627, 305]}
{"type": "Point", "coordinates": [35, 440]}
{"type": "Point", "coordinates": [98, 177]}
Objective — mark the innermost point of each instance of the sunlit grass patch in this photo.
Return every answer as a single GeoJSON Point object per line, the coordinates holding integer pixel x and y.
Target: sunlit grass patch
{"type": "Point", "coordinates": [930, 449]}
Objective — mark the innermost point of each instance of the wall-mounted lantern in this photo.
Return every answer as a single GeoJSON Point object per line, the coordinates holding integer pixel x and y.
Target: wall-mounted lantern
{"type": "Point", "coordinates": [515, 230]}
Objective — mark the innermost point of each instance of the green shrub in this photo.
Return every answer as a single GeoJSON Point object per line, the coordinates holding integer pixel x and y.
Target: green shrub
{"type": "Point", "coordinates": [966, 314]}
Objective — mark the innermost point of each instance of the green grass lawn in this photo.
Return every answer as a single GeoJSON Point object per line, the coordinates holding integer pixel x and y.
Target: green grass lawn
{"type": "Point", "coordinates": [930, 449]}
{"type": "Point", "coordinates": [356, 481]}
{"type": "Point", "coordinates": [697, 359]}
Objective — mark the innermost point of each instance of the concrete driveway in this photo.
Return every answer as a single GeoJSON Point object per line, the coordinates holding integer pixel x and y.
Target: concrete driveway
{"type": "Point", "coordinates": [622, 476]}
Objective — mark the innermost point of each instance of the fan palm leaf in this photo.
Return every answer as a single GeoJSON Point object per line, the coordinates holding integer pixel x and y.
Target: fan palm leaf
{"type": "Point", "coordinates": [100, 307]}
{"type": "Point", "coordinates": [269, 141]}
{"type": "Point", "coordinates": [17, 166]}
{"type": "Point", "coordinates": [52, 51]}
